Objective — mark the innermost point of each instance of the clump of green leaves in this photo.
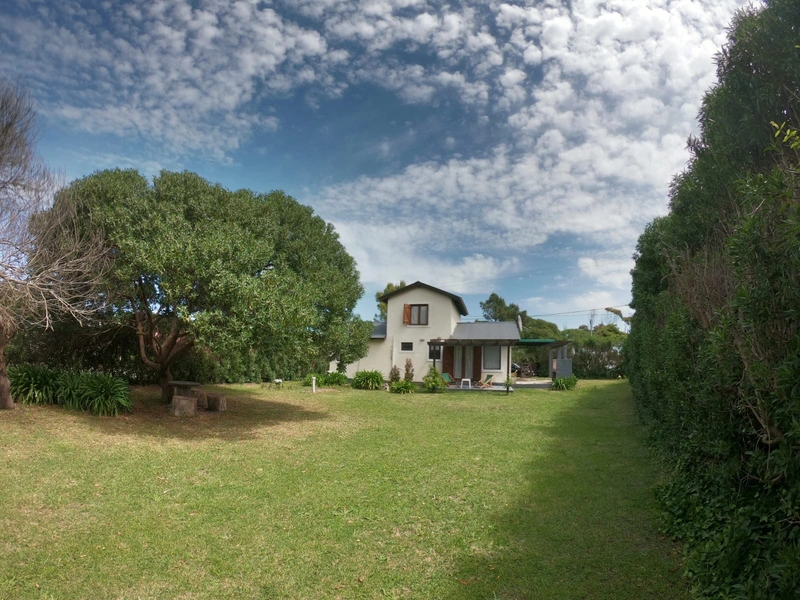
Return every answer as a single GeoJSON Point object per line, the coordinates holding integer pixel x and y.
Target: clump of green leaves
{"type": "Point", "coordinates": [402, 387]}
{"type": "Point", "coordinates": [33, 384]}
{"type": "Point", "coordinates": [394, 374]}
{"type": "Point", "coordinates": [409, 370]}
{"type": "Point", "coordinates": [564, 383]}
{"type": "Point", "coordinates": [367, 380]}
{"type": "Point", "coordinates": [326, 379]}
{"type": "Point", "coordinates": [434, 382]}
{"type": "Point", "coordinates": [97, 393]}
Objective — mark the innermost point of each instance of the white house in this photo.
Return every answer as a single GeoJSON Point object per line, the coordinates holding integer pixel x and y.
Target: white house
{"type": "Point", "coordinates": [423, 323]}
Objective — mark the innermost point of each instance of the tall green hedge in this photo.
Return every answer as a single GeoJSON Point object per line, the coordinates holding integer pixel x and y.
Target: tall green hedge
{"type": "Point", "coordinates": [714, 350]}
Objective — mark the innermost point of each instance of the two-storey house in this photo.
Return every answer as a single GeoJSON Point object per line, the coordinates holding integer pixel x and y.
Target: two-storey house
{"type": "Point", "coordinates": [423, 323]}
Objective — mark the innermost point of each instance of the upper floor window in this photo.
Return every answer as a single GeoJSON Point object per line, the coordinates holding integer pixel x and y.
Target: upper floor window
{"type": "Point", "coordinates": [415, 314]}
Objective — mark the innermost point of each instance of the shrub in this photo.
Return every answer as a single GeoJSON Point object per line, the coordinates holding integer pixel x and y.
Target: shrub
{"type": "Point", "coordinates": [102, 394]}
{"type": "Point", "coordinates": [409, 370]}
{"type": "Point", "coordinates": [335, 378]}
{"type": "Point", "coordinates": [97, 393]}
{"type": "Point", "coordinates": [33, 384]}
{"type": "Point", "coordinates": [394, 374]}
{"type": "Point", "coordinates": [433, 381]}
{"type": "Point", "coordinates": [367, 380]}
{"type": "Point", "coordinates": [319, 376]}
{"type": "Point", "coordinates": [564, 383]}
{"type": "Point", "coordinates": [402, 387]}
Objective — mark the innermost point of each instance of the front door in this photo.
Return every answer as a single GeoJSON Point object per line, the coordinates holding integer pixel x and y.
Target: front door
{"type": "Point", "coordinates": [477, 355]}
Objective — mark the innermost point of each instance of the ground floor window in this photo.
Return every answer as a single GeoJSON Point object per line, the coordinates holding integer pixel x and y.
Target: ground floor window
{"type": "Point", "coordinates": [406, 346]}
{"type": "Point", "coordinates": [491, 358]}
{"type": "Point", "coordinates": [434, 353]}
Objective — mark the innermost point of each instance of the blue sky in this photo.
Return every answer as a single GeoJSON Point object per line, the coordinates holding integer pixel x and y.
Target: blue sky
{"type": "Point", "coordinates": [515, 147]}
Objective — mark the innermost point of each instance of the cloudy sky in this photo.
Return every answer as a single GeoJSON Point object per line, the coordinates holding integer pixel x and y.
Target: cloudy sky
{"type": "Point", "coordinates": [517, 147]}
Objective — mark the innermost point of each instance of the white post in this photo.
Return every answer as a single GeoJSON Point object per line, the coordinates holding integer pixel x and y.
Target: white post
{"type": "Point", "coordinates": [313, 385]}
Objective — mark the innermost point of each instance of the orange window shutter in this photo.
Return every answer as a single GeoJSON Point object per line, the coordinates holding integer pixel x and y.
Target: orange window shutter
{"type": "Point", "coordinates": [406, 314]}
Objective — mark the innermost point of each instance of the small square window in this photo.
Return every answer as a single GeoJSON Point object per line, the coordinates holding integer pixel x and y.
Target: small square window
{"type": "Point", "coordinates": [434, 353]}
{"type": "Point", "coordinates": [406, 346]}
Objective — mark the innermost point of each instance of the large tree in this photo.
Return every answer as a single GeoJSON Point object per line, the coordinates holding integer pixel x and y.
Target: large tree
{"type": "Point", "coordinates": [47, 266]}
{"type": "Point", "coordinates": [235, 272]}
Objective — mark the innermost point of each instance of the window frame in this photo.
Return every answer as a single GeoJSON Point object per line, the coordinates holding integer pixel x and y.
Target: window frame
{"type": "Point", "coordinates": [409, 343]}
{"type": "Point", "coordinates": [430, 352]}
{"type": "Point", "coordinates": [499, 366]}
{"type": "Point", "coordinates": [409, 311]}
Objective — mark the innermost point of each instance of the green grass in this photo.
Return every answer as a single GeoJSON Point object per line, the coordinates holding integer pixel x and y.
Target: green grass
{"type": "Point", "coordinates": [342, 494]}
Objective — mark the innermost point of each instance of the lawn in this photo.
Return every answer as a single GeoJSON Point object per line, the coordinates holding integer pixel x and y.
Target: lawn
{"type": "Point", "coordinates": [340, 494]}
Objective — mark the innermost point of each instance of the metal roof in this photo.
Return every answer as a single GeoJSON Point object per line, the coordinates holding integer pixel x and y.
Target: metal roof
{"type": "Point", "coordinates": [457, 300]}
{"type": "Point", "coordinates": [378, 330]}
{"type": "Point", "coordinates": [484, 333]}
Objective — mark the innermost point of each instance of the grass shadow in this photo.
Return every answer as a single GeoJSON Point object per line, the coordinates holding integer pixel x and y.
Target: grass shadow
{"type": "Point", "coordinates": [585, 524]}
{"type": "Point", "coordinates": [246, 417]}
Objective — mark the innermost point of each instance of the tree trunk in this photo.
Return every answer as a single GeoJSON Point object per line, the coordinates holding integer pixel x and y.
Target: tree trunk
{"type": "Point", "coordinates": [6, 401]}
{"type": "Point", "coordinates": [166, 390]}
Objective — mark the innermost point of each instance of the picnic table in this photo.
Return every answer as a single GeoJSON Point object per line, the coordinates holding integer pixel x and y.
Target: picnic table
{"type": "Point", "coordinates": [183, 388]}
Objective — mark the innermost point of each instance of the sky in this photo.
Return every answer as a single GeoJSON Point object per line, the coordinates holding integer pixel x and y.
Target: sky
{"type": "Point", "coordinates": [510, 147]}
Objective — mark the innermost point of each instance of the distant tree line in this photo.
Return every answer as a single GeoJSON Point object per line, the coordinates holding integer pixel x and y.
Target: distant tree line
{"type": "Point", "coordinates": [714, 349]}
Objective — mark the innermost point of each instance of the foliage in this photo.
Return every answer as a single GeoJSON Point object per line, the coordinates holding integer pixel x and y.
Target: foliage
{"type": "Point", "coordinates": [408, 374]}
{"type": "Point", "coordinates": [714, 351]}
{"type": "Point", "coordinates": [233, 273]}
{"type": "Point", "coordinates": [402, 387]}
{"type": "Point", "coordinates": [433, 381]}
{"type": "Point", "coordinates": [564, 383]}
{"type": "Point", "coordinates": [394, 374]}
{"type": "Point", "coordinates": [326, 379]}
{"type": "Point", "coordinates": [32, 384]}
{"type": "Point", "coordinates": [597, 353]}
{"type": "Point", "coordinates": [47, 265]}
{"type": "Point", "coordinates": [335, 379]}
{"type": "Point", "coordinates": [97, 393]}
{"type": "Point", "coordinates": [367, 380]}
{"type": "Point", "coordinates": [390, 287]}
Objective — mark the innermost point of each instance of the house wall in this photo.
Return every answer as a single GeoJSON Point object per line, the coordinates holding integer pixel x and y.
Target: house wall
{"type": "Point", "coordinates": [442, 320]}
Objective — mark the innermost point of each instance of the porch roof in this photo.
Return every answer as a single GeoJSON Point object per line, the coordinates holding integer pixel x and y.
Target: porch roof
{"type": "Point", "coordinates": [483, 333]}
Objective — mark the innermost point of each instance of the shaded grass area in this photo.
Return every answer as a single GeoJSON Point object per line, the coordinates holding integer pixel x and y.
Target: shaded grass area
{"type": "Point", "coordinates": [341, 494]}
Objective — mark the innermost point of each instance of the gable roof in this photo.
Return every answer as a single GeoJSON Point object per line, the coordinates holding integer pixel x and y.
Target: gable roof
{"type": "Point", "coordinates": [457, 300]}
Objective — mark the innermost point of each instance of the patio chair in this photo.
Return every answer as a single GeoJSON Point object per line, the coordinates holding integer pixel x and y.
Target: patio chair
{"type": "Point", "coordinates": [447, 379]}
{"type": "Point", "coordinates": [486, 382]}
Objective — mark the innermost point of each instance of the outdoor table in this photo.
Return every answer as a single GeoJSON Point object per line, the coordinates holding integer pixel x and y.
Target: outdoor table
{"type": "Point", "coordinates": [469, 382]}
{"type": "Point", "coordinates": [183, 388]}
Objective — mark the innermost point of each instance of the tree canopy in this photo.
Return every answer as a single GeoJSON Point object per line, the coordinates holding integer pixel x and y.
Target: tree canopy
{"type": "Point", "coordinates": [233, 271]}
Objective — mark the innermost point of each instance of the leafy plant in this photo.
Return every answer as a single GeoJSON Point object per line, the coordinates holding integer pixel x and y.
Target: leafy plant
{"type": "Point", "coordinates": [33, 384]}
{"type": "Point", "coordinates": [335, 378]}
{"type": "Point", "coordinates": [97, 393]}
{"type": "Point", "coordinates": [103, 395]}
{"type": "Point", "coordinates": [409, 370]}
{"type": "Point", "coordinates": [394, 374]}
{"type": "Point", "coordinates": [367, 380]}
{"type": "Point", "coordinates": [402, 387]}
{"type": "Point", "coordinates": [564, 383]}
{"type": "Point", "coordinates": [320, 379]}
{"type": "Point", "coordinates": [433, 381]}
